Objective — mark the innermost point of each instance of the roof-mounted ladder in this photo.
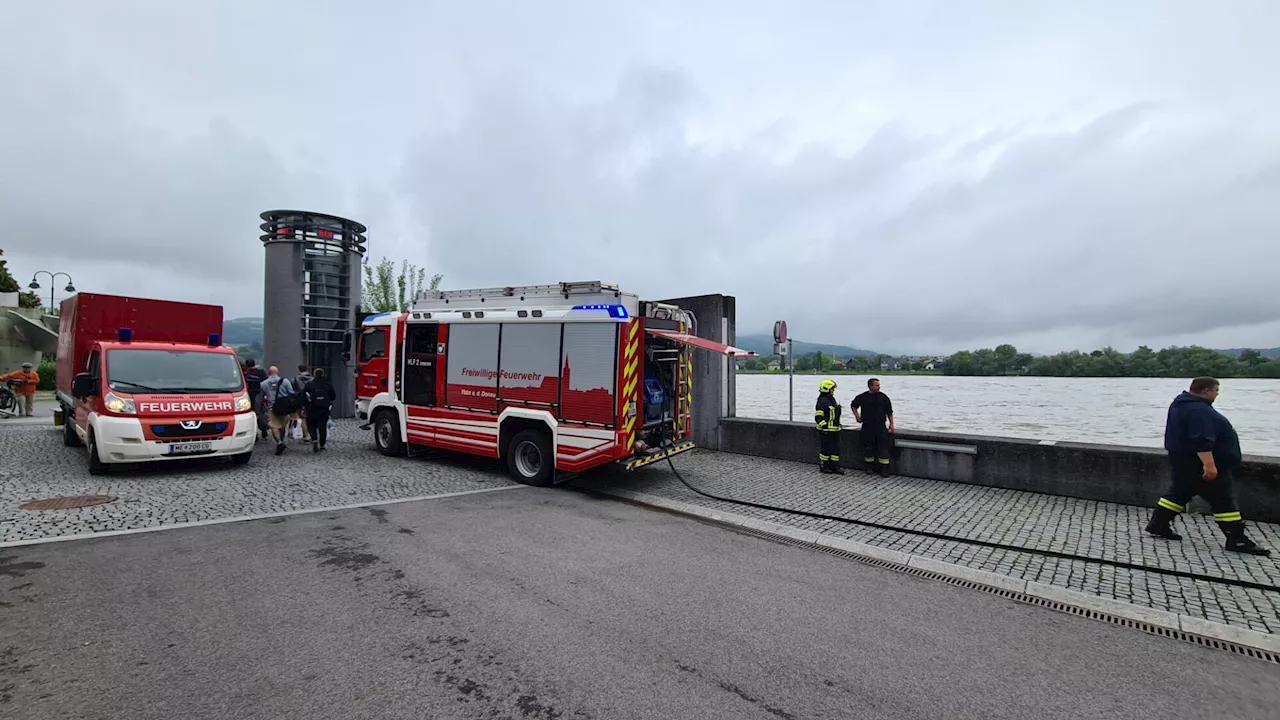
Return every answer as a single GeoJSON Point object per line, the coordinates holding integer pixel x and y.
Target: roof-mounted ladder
{"type": "Point", "coordinates": [559, 295]}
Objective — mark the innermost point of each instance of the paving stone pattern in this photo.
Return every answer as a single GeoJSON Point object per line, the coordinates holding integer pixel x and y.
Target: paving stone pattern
{"type": "Point", "coordinates": [34, 464]}
{"type": "Point", "coordinates": [1047, 522]}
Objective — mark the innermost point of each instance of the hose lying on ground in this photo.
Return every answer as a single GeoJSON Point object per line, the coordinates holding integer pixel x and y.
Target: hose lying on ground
{"type": "Point", "coordinates": [983, 543]}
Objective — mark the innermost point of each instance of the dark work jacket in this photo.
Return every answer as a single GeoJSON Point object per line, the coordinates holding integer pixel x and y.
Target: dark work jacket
{"type": "Point", "coordinates": [1194, 426]}
{"type": "Point", "coordinates": [321, 394]}
{"type": "Point", "coordinates": [827, 413]}
{"type": "Point", "coordinates": [876, 409]}
{"type": "Point", "coordinates": [254, 379]}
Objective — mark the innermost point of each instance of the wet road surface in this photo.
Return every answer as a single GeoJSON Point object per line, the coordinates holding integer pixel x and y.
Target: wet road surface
{"type": "Point", "coordinates": [554, 604]}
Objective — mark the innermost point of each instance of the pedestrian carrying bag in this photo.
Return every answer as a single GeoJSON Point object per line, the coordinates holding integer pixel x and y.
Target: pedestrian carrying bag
{"type": "Point", "coordinates": [288, 404]}
{"type": "Point", "coordinates": [295, 430]}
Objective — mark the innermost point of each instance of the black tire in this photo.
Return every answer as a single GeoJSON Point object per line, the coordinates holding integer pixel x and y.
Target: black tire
{"type": "Point", "coordinates": [242, 458]}
{"type": "Point", "coordinates": [96, 466]}
{"type": "Point", "coordinates": [530, 458]}
{"type": "Point", "coordinates": [69, 436]}
{"type": "Point", "coordinates": [386, 433]}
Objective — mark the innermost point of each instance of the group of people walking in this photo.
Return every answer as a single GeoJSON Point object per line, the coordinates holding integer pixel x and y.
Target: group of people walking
{"type": "Point", "coordinates": [306, 399]}
{"type": "Point", "coordinates": [1203, 449]}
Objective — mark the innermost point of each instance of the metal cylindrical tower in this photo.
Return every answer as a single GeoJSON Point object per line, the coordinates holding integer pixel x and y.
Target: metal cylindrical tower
{"type": "Point", "coordinates": [312, 295]}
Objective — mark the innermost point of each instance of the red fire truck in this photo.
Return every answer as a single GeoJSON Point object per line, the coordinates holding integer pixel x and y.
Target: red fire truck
{"type": "Point", "coordinates": [568, 377]}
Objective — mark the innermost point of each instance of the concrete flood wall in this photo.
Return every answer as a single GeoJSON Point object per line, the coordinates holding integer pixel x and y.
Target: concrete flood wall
{"type": "Point", "coordinates": [714, 376]}
{"type": "Point", "coordinates": [1109, 473]}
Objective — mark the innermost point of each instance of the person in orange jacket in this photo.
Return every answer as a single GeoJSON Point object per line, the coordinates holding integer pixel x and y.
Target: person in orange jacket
{"type": "Point", "coordinates": [25, 389]}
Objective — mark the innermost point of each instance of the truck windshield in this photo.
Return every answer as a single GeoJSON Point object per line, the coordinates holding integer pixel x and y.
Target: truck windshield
{"type": "Point", "coordinates": [172, 371]}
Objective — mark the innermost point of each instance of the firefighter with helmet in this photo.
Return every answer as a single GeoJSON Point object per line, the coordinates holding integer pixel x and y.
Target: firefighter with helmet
{"type": "Point", "coordinates": [827, 417]}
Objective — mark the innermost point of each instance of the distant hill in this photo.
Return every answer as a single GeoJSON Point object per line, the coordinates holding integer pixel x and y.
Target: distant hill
{"type": "Point", "coordinates": [1271, 353]}
{"type": "Point", "coordinates": [242, 331]}
{"type": "Point", "coordinates": [763, 345]}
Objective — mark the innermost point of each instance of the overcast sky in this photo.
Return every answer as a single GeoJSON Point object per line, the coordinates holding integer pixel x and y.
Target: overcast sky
{"type": "Point", "coordinates": [898, 176]}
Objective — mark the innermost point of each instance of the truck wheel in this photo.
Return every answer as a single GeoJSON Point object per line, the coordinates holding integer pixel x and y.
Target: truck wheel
{"type": "Point", "coordinates": [96, 466]}
{"type": "Point", "coordinates": [69, 436]}
{"type": "Point", "coordinates": [386, 433]}
{"type": "Point", "coordinates": [530, 459]}
{"type": "Point", "coordinates": [242, 458]}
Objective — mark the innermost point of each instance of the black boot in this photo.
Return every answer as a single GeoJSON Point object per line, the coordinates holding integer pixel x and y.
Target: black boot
{"type": "Point", "coordinates": [1160, 524]}
{"type": "Point", "coordinates": [1237, 541]}
{"type": "Point", "coordinates": [824, 467]}
{"type": "Point", "coordinates": [834, 468]}
{"type": "Point", "coordinates": [882, 470]}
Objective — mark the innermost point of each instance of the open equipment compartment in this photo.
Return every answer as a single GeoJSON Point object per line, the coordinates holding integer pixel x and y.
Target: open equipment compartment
{"type": "Point", "coordinates": [665, 369]}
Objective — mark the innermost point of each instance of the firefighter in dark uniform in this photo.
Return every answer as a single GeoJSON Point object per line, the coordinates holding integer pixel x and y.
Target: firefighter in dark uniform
{"type": "Point", "coordinates": [875, 409]}
{"type": "Point", "coordinates": [827, 417]}
{"type": "Point", "coordinates": [1203, 450]}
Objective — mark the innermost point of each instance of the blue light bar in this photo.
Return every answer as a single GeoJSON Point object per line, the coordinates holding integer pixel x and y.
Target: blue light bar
{"type": "Point", "coordinates": [124, 334]}
{"type": "Point", "coordinates": [215, 339]}
{"type": "Point", "coordinates": [618, 311]}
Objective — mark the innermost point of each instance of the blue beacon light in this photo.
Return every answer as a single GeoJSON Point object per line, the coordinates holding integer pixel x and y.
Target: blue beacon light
{"type": "Point", "coordinates": [617, 311]}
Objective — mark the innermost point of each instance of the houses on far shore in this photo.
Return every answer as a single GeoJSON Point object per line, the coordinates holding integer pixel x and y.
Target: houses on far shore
{"type": "Point", "coordinates": [860, 364]}
{"type": "Point", "coordinates": [911, 362]}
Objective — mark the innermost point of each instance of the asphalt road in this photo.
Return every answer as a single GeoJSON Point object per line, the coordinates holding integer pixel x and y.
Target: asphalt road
{"type": "Point", "coordinates": [553, 604]}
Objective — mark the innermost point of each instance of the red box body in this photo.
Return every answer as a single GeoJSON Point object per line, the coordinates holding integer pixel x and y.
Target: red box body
{"type": "Point", "coordinates": [86, 318]}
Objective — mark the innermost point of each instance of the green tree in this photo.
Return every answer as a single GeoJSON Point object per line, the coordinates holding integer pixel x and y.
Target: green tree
{"type": "Point", "coordinates": [1005, 355]}
{"type": "Point", "coordinates": [1252, 358]}
{"type": "Point", "coordinates": [986, 362]}
{"type": "Point", "coordinates": [7, 283]}
{"type": "Point", "coordinates": [959, 364]}
{"type": "Point", "coordinates": [862, 364]}
{"type": "Point", "coordinates": [385, 290]}
{"type": "Point", "coordinates": [804, 363]}
{"type": "Point", "coordinates": [1144, 363]}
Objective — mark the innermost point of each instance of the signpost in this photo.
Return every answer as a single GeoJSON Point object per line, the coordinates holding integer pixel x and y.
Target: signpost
{"type": "Point", "coordinates": [782, 347]}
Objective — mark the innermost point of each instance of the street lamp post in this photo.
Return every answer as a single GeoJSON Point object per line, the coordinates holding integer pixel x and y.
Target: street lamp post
{"type": "Point", "coordinates": [53, 278]}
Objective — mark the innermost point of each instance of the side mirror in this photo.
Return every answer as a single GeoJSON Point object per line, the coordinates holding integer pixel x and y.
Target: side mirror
{"type": "Point", "coordinates": [84, 385]}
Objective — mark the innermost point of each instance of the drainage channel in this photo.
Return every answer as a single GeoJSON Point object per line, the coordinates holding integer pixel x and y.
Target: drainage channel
{"type": "Point", "coordinates": [1247, 651]}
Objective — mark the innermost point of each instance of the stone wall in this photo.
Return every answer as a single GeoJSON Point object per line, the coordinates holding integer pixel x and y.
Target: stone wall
{"type": "Point", "coordinates": [1110, 473]}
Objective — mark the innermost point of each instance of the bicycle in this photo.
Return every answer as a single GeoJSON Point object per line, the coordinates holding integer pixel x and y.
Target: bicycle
{"type": "Point", "coordinates": [9, 403]}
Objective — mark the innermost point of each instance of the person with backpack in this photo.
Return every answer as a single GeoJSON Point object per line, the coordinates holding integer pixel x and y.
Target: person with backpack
{"type": "Point", "coordinates": [320, 396]}
{"type": "Point", "coordinates": [281, 402]}
{"type": "Point", "coordinates": [300, 383]}
{"type": "Point", "coordinates": [254, 377]}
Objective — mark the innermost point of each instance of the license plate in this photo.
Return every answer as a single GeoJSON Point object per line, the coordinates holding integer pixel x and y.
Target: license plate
{"type": "Point", "coordinates": [188, 448]}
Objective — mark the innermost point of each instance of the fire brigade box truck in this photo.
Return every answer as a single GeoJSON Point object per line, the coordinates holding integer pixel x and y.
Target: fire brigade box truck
{"type": "Point", "coordinates": [149, 380]}
{"type": "Point", "coordinates": [567, 377]}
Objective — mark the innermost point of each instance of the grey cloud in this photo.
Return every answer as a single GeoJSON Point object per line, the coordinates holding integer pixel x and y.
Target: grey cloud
{"type": "Point", "coordinates": [1054, 173]}
{"type": "Point", "coordinates": [1113, 225]}
{"type": "Point", "coordinates": [126, 207]}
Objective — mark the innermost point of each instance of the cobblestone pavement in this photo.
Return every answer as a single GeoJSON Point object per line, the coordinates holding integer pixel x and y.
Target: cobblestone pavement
{"type": "Point", "coordinates": [34, 464]}
{"type": "Point", "coordinates": [1079, 527]}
